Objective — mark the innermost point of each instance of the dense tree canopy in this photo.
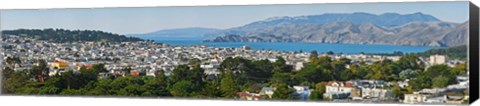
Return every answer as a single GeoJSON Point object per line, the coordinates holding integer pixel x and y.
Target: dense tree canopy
{"type": "Point", "coordinates": [436, 76]}
{"type": "Point", "coordinates": [236, 75]}
{"type": "Point", "coordinates": [456, 52]}
{"type": "Point", "coordinates": [283, 92]}
{"type": "Point", "coordinates": [63, 35]}
{"type": "Point", "coordinates": [229, 85]}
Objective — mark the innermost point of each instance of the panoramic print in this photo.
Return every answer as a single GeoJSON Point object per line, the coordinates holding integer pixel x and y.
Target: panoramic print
{"type": "Point", "coordinates": [411, 52]}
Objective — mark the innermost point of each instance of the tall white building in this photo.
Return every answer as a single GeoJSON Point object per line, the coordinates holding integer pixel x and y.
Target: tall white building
{"type": "Point", "coordinates": [438, 59]}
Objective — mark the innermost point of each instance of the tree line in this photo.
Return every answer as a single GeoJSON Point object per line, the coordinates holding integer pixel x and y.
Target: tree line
{"type": "Point", "coordinates": [454, 52]}
{"type": "Point", "coordinates": [64, 35]}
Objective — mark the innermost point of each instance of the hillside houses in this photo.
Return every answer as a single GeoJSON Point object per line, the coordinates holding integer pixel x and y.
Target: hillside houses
{"type": "Point", "coordinates": [338, 90]}
{"type": "Point", "coordinates": [440, 95]}
{"type": "Point", "coordinates": [358, 90]}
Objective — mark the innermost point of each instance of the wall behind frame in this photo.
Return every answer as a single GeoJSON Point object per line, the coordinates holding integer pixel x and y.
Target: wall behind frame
{"type": "Point", "coordinates": [474, 52]}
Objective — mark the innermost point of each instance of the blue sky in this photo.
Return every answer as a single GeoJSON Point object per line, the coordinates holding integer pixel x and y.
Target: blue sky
{"type": "Point", "coordinates": [149, 19]}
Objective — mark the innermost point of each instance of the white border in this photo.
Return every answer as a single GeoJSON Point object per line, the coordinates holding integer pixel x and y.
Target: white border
{"type": "Point", "coordinates": [82, 101]}
{"type": "Point", "coordinates": [42, 4]}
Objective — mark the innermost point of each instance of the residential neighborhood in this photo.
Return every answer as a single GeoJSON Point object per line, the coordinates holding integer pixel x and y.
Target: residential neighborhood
{"type": "Point", "coordinates": [149, 58]}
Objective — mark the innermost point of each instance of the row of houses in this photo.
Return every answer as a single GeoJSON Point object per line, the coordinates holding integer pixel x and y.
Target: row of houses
{"type": "Point", "coordinates": [440, 95]}
{"type": "Point", "coordinates": [301, 93]}
{"type": "Point", "coordinates": [334, 90]}
{"type": "Point", "coordinates": [358, 90]}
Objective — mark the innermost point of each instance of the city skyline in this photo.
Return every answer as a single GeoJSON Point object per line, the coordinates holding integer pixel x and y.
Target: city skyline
{"type": "Point", "coordinates": [149, 19]}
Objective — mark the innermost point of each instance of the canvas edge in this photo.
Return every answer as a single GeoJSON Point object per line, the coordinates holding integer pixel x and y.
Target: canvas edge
{"type": "Point", "coordinates": [473, 49]}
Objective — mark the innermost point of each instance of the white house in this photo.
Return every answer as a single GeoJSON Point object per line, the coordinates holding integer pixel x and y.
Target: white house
{"type": "Point", "coordinates": [151, 72]}
{"type": "Point", "coordinates": [415, 98]}
{"type": "Point", "coordinates": [299, 65]}
{"type": "Point", "coordinates": [338, 90]}
{"type": "Point", "coordinates": [339, 87]}
{"type": "Point", "coordinates": [377, 93]}
{"type": "Point", "coordinates": [302, 91]}
{"type": "Point", "coordinates": [267, 91]}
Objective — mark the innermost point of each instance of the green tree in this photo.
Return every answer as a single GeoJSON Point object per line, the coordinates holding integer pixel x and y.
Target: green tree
{"type": "Point", "coordinates": [50, 90]}
{"type": "Point", "coordinates": [7, 72]}
{"type": "Point", "coordinates": [126, 86]}
{"type": "Point", "coordinates": [321, 86]}
{"type": "Point", "coordinates": [262, 72]}
{"type": "Point", "coordinates": [347, 75]}
{"type": "Point", "coordinates": [397, 91]}
{"type": "Point", "coordinates": [280, 77]}
{"type": "Point", "coordinates": [127, 70]}
{"type": "Point", "coordinates": [98, 68]}
{"type": "Point", "coordinates": [360, 71]}
{"type": "Point", "coordinates": [196, 75]}
{"type": "Point", "coordinates": [62, 35]}
{"type": "Point", "coordinates": [282, 92]}
{"type": "Point", "coordinates": [156, 86]}
{"type": "Point", "coordinates": [420, 82]}
{"type": "Point", "coordinates": [440, 82]}
{"type": "Point", "coordinates": [73, 92]}
{"type": "Point", "coordinates": [455, 52]}
{"type": "Point", "coordinates": [54, 85]}
{"type": "Point", "coordinates": [459, 69]}
{"type": "Point", "coordinates": [408, 74]}
{"type": "Point", "coordinates": [237, 65]}
{"type": "Point", "coordinates": [131, 90]}
{"type": "Point", "coordinates": [436, 71]}
{"type": "Point", "coordinates": [280, 65]}
{"type": "Point", "coordinates": [410, 61]}
{"type": "Point", "coordinates": [30, 88]}
{"type": "Point", "coordinates": [313, 55]}
{"type": "Point", "coordinates": [195, 62]}
{"type": "Point", "coordinates": [182, 89]}
{"type": "Point", "coordinates": [330, 53]}
{"type": "Point", "coordinates": [15, 81]}
{"type": "Point", "coordinates": [339, 71]}
{"type": "Point", "coordinates": [12, 61]}
{"type": "Point", "coordinates": [184, 72]}
{"type": "Point", "coordinates": [434, 76]}
{"type": "Point", "coordinates": [316, 95]}
{"type": "Point", "coordinates": [105, 87]}
{"type": "Point", "coordinates": [319, 69]}
{"type": "Point", "coordinates": [211, 90]}
{"type": "Point", "coordinates": [40, 71]}
{"type": "Point", "coordinates": [384, 70]}
{"type": "Point", "coordinates": [228, 85]}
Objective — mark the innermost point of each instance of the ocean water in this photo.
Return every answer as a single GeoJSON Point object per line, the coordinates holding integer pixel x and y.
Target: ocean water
{"type": "Point", "coordinates": [299, 46]}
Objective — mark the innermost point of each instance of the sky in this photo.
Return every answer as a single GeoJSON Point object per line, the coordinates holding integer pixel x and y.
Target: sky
{"type": "Point", "coordinates": [150, 19]}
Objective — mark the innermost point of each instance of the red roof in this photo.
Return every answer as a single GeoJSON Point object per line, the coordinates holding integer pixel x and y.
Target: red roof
{"type": "Point", "coordinates": [348, 84]}
{"type": "Point", "coordinates": [341, 84]}
{"type": "Point", "coordinates": [330, 83]}
{"type": "Point", "coordinates": [243, 94]}
{"type": "Point", "coordinates": [134, 73]}
{"type": "Point", "coordinates": [246, 94]}
{"type": "Point", "coordinates": [88, 66]}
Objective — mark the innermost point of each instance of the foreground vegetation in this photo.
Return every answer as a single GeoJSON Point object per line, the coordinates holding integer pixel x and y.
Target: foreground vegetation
{"type": "Point", "coordinates": [237, 74]}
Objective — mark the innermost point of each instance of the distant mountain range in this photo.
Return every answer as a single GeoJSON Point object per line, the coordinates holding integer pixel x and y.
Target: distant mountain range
{"type": "Point", "coordinates": [192, 32]}
{"type": "Point", "coordinates": [415, 29]}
